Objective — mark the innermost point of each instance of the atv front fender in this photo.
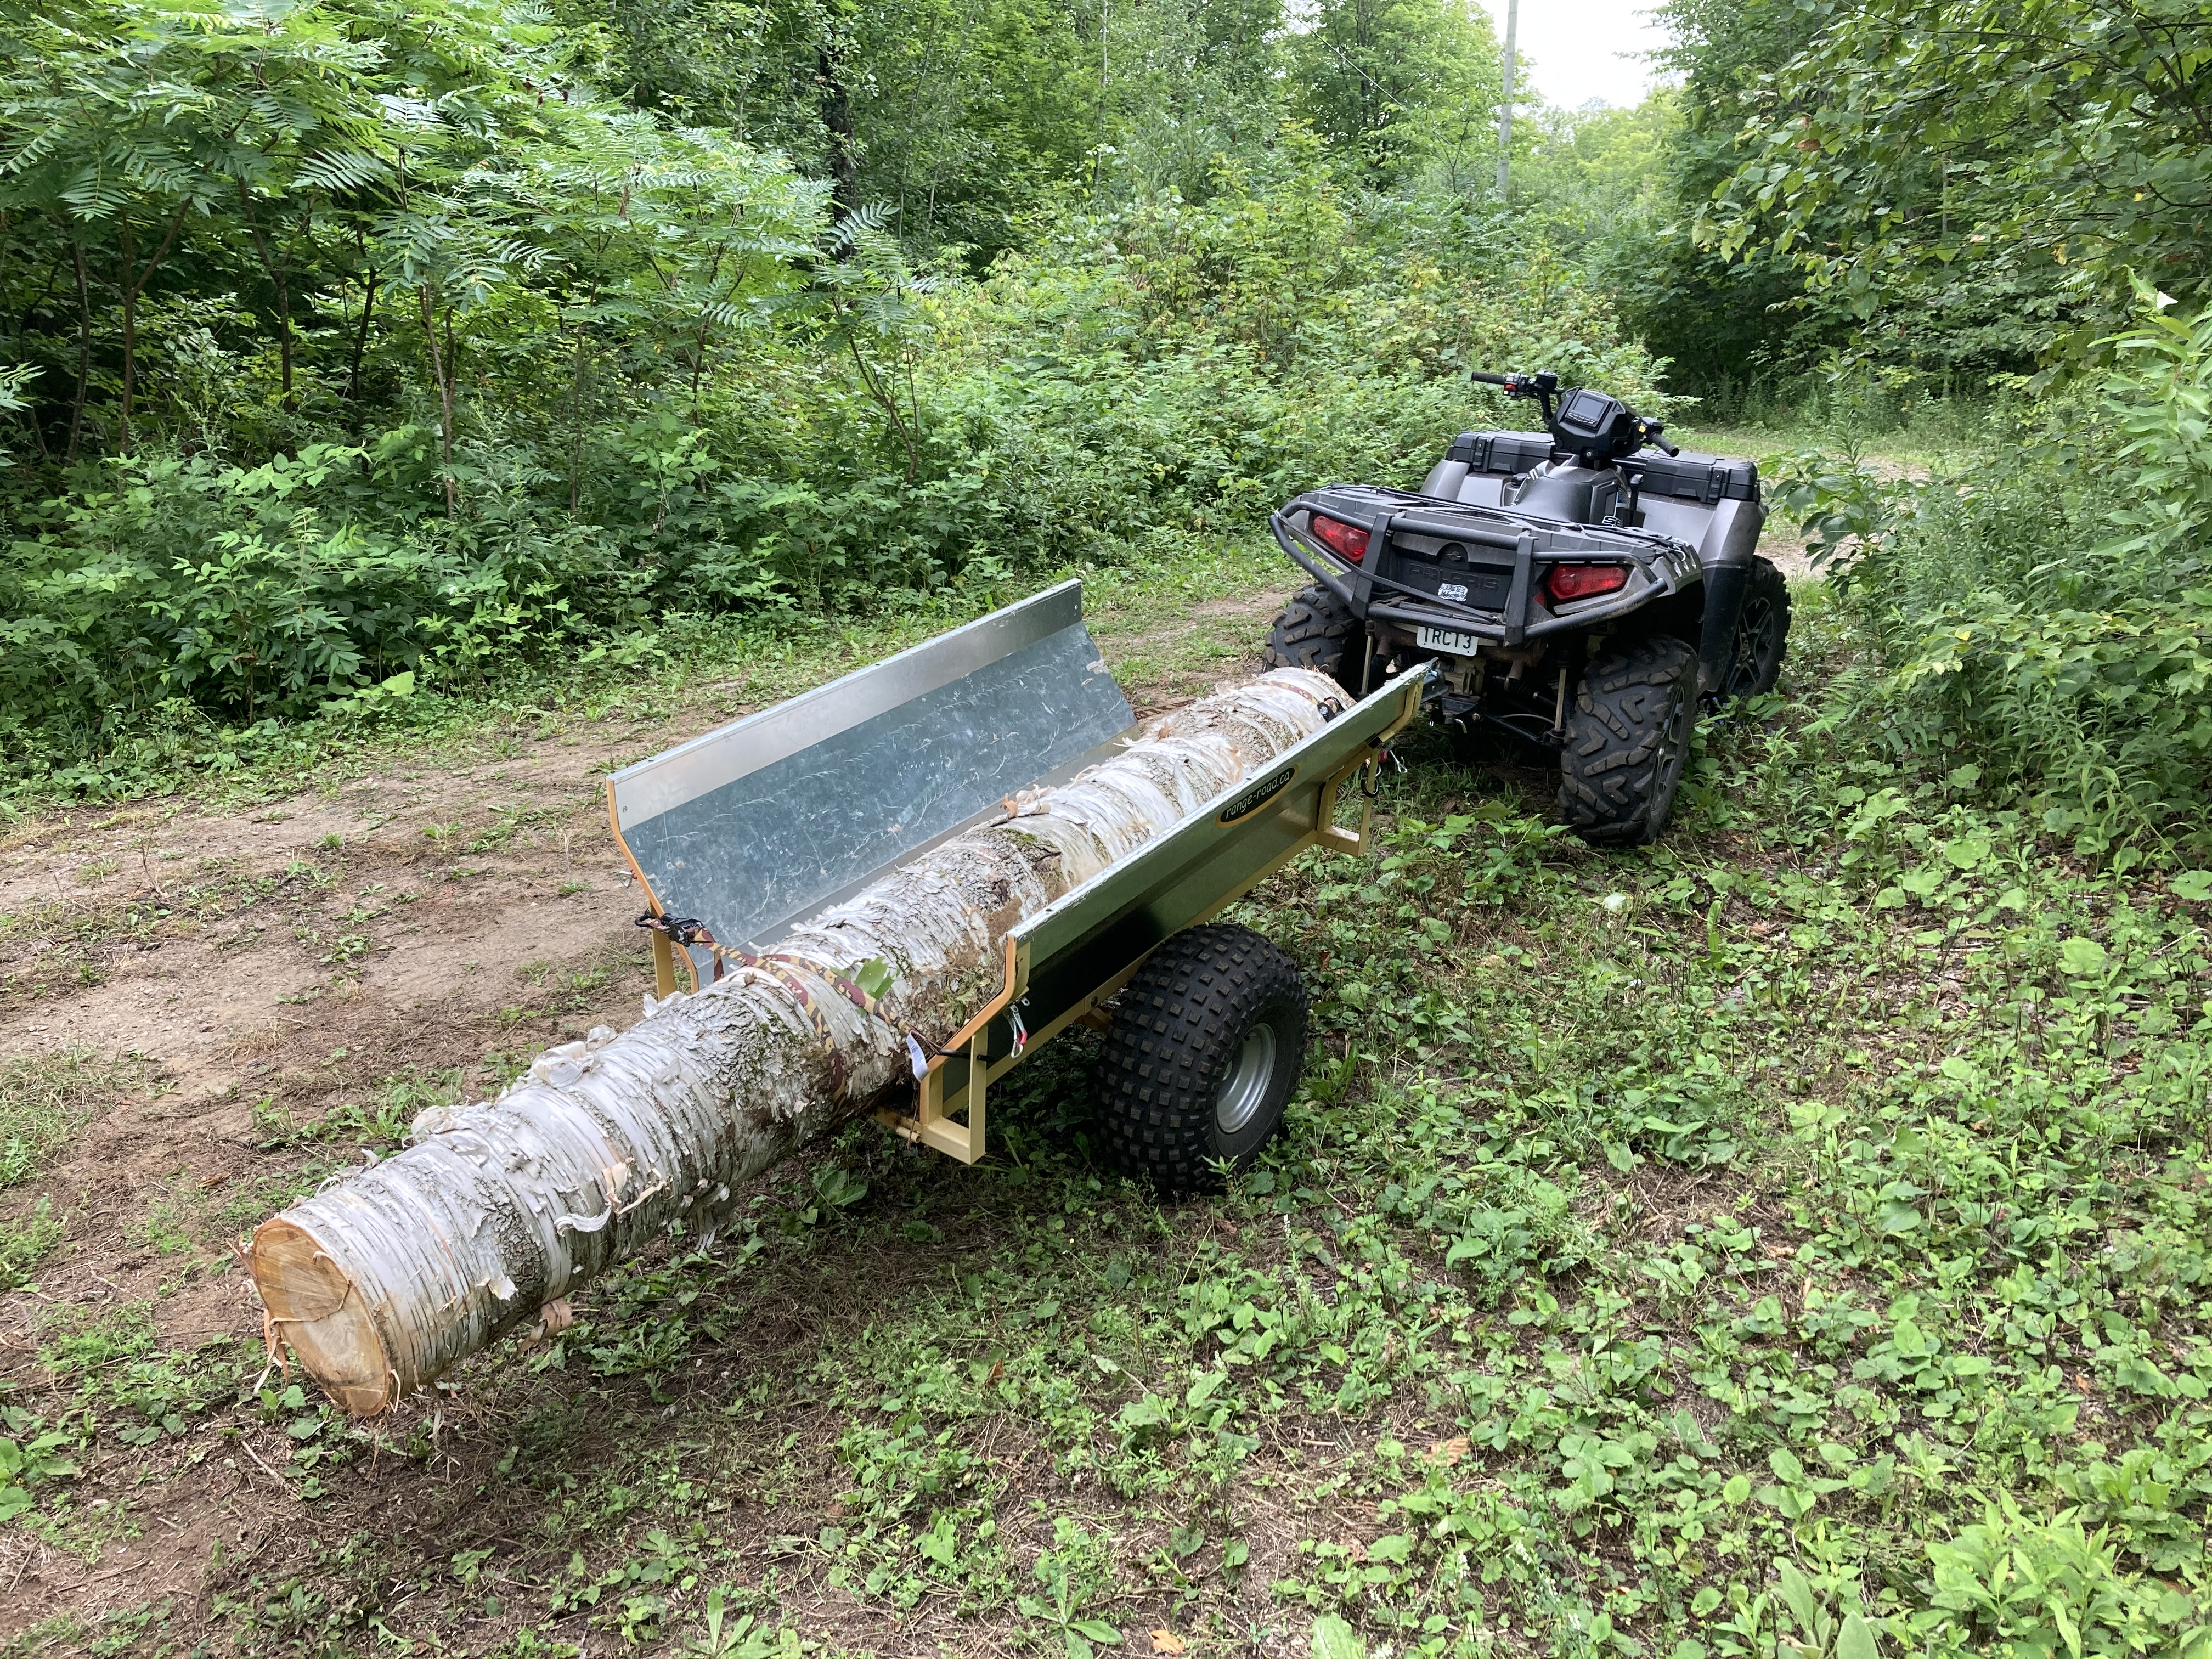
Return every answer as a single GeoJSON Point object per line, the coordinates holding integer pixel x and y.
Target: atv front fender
{"type": "Point", "coordinates": [1724, 590]}
{"type": "Point", "coordinates": [1730, 544]}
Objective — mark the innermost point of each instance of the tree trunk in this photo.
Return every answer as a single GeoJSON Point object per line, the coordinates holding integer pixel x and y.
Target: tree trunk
{"type": "Point", "coordinates": [442, 371]}
{"type": "Point", "coordinates": [83, 349]}
{"type": "Point", "coordinates": [576, 426]}
{"type": "Point", "coordinates": [887, 400]}
{"type": "Point", "coordinates": [386, 1280]}
{"type": "Point", "coordinates": [130, 340]}
{"type": "Point", "coordinates": [133, 285]}
{"type": "Point", "coordinates": [284, 334]}
{"type": "Point", "coordinates": [837, 122]}
{"type": "Point", "coordinates": [360, 337]}
{"type": "Point", "coordinates": [279, 277]}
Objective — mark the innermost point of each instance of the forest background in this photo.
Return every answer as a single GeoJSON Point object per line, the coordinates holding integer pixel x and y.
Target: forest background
{"type": "Point", "coordinates": [359, 355]}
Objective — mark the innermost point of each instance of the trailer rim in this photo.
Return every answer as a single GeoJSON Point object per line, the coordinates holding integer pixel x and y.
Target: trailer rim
{"type": "Point", "coordinates": [1244, 1091]}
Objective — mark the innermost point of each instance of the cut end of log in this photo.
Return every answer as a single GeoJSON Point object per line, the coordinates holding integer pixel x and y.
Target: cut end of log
{"type": "Point", "coordinates": [319, 1317]}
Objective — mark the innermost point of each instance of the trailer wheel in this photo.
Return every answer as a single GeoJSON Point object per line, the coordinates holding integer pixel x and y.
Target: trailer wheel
{"type": "Point", "coordinates": [1206, 1046]}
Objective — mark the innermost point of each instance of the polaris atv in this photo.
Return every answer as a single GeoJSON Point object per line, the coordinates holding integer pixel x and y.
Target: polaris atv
{"type": "Point", "coordinates": [1584, 588]}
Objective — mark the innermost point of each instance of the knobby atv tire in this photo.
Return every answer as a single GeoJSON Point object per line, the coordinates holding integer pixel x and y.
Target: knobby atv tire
{"type": "Point", "coordinates": [1762, 635]}
{"type": "Point", "coordinates": [1628, 735]}
{"type": "Point", "coordinates": [1318, 630]}
{"type": "Point", "coordinates": [1212, 1026]}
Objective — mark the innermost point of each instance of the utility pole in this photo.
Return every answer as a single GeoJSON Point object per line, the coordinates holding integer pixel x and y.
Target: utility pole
{"type": "Point", "coordinates": [1105, 65]}
{"type": "Point", "coordinates": [1506, 112]}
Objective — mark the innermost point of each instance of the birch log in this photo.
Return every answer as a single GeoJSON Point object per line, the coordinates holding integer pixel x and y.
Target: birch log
{"type": "Point", "coordinates": [393, 1274]}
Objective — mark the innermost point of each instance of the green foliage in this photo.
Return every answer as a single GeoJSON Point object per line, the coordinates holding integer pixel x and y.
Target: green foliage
{"type": "Point", "coordinates": [30, 1455]}
{"type": "Point", "coordinates": [2013, 1583]}
{"type": "Point", "coordinates": [1075, 1572]}
{"type": "Point", "coordinates": [2004, 220]}
{"type": "Point", "coordinates": [369, 355]}
{"type": "Point", "coordinates": [742, 1637]}
{"type": "Point", "coordinates": [1732, 328]}
{"type": "Point", "coordinates": [1398, 82]}
{"type": "Point", "coordinates": [2162, 411]}
{"type": "Point", "coordinates": [1594, 182]}
{"type": "Point", "coordinates": [1160, 368]}
{"type": "Point", "coordinates": [2045, 614]}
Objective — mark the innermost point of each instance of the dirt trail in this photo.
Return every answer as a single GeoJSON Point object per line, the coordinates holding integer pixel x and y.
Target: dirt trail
{"type": "Point", "coordinates": [298, 956]}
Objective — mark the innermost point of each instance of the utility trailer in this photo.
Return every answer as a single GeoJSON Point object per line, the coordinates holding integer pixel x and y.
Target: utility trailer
{"type": "Point", "coordinates": [740, 834]}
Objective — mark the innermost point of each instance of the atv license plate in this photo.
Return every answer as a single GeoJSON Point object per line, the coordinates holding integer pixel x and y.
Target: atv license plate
{"type": "Point", "coordinates": [1456, 640]}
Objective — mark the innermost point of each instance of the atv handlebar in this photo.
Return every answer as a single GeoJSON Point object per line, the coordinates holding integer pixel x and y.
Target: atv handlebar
{"type": "Point", "coordinates": [1539, 386]}
{"type": "Point", "coordinates": [1613, 434]}
{"type": "Point", "coordinates": [1521, 385]}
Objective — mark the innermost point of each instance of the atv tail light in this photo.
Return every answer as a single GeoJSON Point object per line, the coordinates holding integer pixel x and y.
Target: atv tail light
{"type": "Point", "coordinates": [1584, 581]}
{"type": "Point", "coordinates": [1347, 541]}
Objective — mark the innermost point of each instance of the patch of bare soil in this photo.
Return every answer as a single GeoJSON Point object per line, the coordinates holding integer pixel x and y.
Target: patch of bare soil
{"type": "Point", "coordinates": [1164, 663]}
{"type": "Point", "coordinates": [272, 969]}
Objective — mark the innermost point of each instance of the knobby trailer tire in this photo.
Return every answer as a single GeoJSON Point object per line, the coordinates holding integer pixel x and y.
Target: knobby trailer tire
{"type": "Point", "coordinates": [1205, 1050]}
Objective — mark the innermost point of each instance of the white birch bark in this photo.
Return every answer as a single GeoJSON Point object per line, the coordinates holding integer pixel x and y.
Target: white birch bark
{"type": "Point", "coordinates": [391, 1275]}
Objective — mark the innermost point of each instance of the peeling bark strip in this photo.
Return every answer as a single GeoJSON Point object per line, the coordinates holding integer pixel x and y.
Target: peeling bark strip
{"type": "Point", "coordinates": [393, 1274]}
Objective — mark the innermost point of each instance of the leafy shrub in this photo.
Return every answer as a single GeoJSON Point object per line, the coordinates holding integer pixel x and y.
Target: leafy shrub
{"type": "Point", "coordinates": [2013, 622]}
{"type": "Point", "coordinates": [2016, 1585]}
{"type": "Point", "coordinates": [1141, 374]}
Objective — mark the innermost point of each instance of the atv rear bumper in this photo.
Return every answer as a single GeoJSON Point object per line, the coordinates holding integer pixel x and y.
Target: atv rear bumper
{"type": "Point", "coordinates": [1417, 546]}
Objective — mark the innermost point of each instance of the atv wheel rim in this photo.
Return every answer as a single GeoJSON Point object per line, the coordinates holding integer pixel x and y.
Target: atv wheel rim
{"type": "Point", "coordinates": [1245, 1089]}
{"type": "Point", "coordinates": [1748, 658]}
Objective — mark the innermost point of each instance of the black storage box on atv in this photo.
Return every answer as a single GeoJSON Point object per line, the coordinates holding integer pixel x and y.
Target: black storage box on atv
{"type": "Point", "coordinates": [1582, 588]}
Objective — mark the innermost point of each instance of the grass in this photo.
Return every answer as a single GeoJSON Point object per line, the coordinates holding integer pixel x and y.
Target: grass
{"type": "Point", "coordinates": [1789, 1240]}
{"type": "Point", "coordinates": [46, 1099]}
{"type": "Point", "coordinates": [27, 1241]}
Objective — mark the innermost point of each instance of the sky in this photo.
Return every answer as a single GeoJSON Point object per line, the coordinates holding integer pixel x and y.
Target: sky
{"type": "Point", "coordinates": [1573, 48]}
